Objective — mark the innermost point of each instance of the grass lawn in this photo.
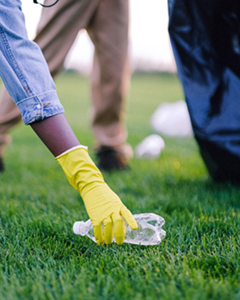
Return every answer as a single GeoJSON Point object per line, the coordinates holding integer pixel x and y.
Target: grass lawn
{"type": "Point", "coordinates": [41, 258]}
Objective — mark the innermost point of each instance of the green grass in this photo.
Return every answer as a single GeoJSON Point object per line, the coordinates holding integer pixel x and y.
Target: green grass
{"type": "Point", "coordinates": [41, 258]}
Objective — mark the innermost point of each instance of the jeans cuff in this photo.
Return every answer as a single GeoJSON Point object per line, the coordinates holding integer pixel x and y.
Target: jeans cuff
{"type": "Point", "coordinates": [39, 107]}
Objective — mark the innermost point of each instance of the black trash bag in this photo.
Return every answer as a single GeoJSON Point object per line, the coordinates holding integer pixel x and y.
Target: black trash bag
{"type": "Point", "coordinates": [205, 37]}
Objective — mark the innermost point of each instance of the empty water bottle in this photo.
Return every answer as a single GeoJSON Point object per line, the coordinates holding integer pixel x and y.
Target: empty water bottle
{"type": "Point", "coordinates": [149, 230]}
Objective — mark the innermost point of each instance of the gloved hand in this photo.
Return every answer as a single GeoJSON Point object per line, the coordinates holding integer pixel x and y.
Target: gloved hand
{"type": "Point", "coordinates": [102, 204]}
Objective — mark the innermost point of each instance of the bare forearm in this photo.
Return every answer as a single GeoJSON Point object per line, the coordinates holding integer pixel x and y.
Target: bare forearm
{"type": "Point", "coordinates": [56, 134]}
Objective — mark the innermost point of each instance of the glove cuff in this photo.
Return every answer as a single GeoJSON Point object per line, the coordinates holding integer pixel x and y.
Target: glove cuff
{"type": "Point", "coordinates": [71, 149]}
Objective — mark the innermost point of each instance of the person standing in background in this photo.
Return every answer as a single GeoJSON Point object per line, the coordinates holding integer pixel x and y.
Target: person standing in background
{"type": "Point", "coordinates": [106, 22]}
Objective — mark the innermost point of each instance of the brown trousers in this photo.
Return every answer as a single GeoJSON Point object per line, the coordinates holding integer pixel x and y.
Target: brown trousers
{"type": "Point", "coordinates": [106, 22]}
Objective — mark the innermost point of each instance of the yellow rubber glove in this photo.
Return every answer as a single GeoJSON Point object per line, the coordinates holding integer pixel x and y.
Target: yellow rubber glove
{"type": "Point", "coordinates": [102, 204]}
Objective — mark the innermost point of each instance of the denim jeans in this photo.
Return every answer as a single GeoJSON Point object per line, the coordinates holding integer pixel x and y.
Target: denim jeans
{"type": "Point", "coordinates": [23, 68]}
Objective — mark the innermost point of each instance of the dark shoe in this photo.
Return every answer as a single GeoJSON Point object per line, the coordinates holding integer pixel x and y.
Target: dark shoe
{"type": "Point", "coordinates": [110, 159]}
{"type": "Point", "coordinates": [1, 165]}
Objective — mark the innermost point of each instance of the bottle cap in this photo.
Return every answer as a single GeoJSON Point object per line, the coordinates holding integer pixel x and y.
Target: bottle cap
{"type": "Point", "coordinates": [79, 228]}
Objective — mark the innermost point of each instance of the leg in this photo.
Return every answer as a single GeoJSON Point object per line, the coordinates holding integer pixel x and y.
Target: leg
{"type": "Point", "coordinates": [58, 28]}
{"type": "Point", "coordinates": [9, 116]}
{"type": "Point", "coordinates": [111, 74]}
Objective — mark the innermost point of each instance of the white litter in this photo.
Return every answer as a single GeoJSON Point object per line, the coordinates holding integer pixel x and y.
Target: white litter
{"type": "Point", "coordinates": [172, 119]}
{"type": "Point", "coordinates": [150, 147]}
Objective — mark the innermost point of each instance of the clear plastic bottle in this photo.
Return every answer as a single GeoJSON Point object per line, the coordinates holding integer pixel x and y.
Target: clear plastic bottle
{"type": "Point", "coordinates": [149, 230]}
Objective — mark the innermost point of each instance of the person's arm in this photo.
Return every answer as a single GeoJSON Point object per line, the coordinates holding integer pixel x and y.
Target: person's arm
{"type": "Point", "coordinates": [102, 204]}
{"type": "Point", "coordinates": [56, 134]}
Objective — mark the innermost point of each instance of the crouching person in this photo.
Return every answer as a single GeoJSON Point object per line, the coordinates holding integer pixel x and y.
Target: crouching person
{"type": "Point", "coordinates": [28, 81]}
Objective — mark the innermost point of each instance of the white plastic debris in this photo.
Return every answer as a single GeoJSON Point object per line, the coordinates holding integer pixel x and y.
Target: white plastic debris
{"type": "Point", "coordinates": [172, 119]}
{"type": "Point", "coordinates": [150, 147]}
{"type": "Point", "coordinates": [149, 230]}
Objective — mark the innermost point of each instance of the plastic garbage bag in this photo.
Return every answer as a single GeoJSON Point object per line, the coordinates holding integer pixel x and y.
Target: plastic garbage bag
{"type": "Point", "coordinates": [172, 119]}
{"type": "Point", "coordinates": [205, 37]}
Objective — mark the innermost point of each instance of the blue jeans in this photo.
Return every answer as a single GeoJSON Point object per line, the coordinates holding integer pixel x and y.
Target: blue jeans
{"type": "Point", "coordinates": [23, 68]}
